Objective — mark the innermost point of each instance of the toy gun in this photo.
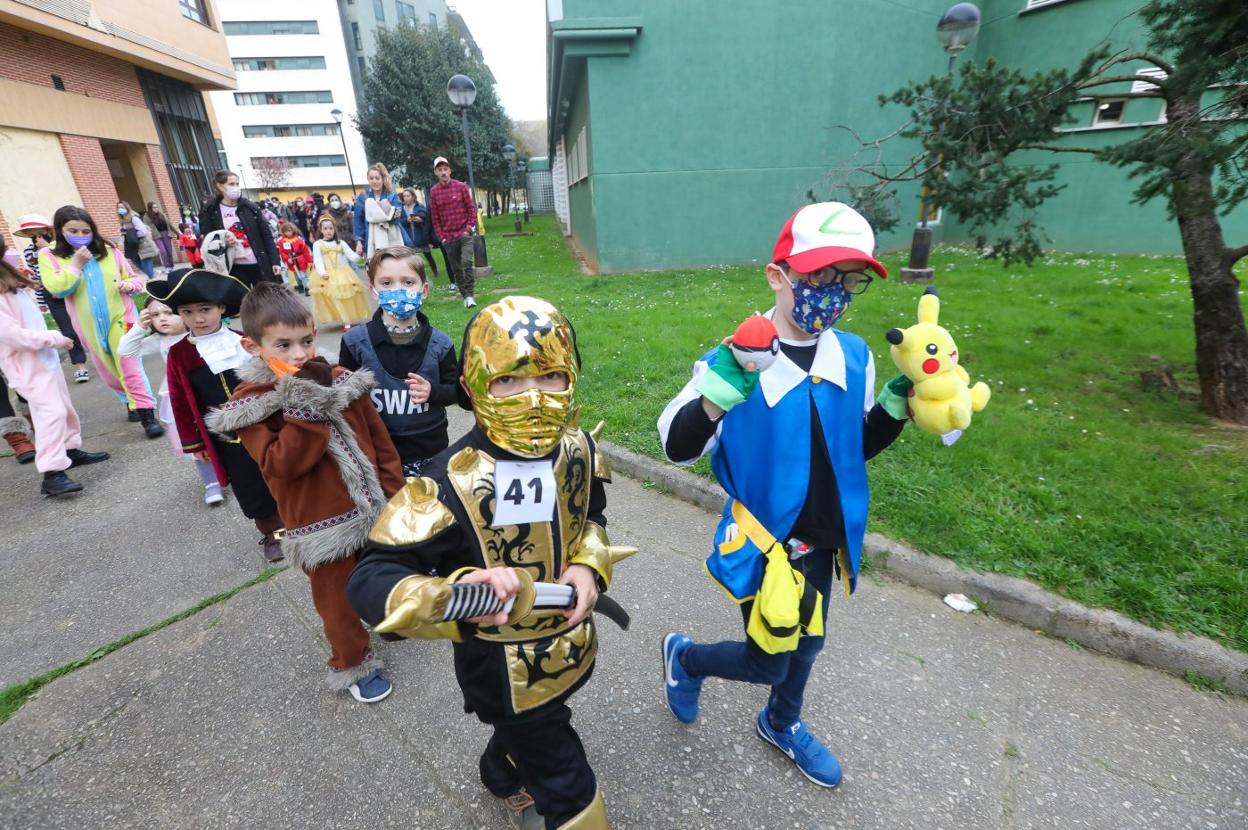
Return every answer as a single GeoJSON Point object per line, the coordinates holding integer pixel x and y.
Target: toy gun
{"type": "Point", "coordinates": [471, 600]}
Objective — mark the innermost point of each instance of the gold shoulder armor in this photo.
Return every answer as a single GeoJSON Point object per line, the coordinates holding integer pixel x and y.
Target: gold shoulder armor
{"type": "Point", "coordinates": [413, 515]}
{"type": "Point", "coordinates": [602, 470]}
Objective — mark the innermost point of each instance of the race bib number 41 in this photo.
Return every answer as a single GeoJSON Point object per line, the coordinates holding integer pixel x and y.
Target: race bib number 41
{"type": "Point", "coordinates": [524, 492]}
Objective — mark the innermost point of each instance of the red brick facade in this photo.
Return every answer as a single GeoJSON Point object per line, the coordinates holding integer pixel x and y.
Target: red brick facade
{"type": "Point", "coordinates": [95, 184]}
{"type": "Point", "coordinates": [33, 59]}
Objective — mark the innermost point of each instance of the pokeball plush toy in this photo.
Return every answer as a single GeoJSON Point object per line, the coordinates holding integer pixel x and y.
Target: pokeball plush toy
{"type": "Point", "coordinates": [756, 341]}
{"type": "Point", "coordinates": [942, 399]}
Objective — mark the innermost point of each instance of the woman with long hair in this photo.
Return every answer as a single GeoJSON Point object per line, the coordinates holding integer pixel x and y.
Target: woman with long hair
{"type": "Point", "coordinates": [98, 285]}
{"type": "Point", "coordinates": [164, 233]}
{"type": "Point", "coordinates": [255, 253]}
{"type": "Point", "coordinates": [379, 217]}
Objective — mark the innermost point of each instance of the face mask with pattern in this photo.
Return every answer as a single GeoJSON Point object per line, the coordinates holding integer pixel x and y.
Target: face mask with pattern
{"type": "Point", "coordinates": [400, 303]}
{"type": "Point", "coordinates": [816, 308]}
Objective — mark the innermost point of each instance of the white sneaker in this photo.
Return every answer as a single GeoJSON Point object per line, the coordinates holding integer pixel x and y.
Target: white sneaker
{"type": "Point", "coordinates": [469, 302]}
{"type": "Point", "coordinates": [213, 495]}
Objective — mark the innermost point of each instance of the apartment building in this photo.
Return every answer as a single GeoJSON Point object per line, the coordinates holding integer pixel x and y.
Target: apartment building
{"type": "Point", "coordinates": [289, 127]}
{"type": "Point", "coordinates": [361, 20]}
{"type": "Point", "coordinates": [102, 100]}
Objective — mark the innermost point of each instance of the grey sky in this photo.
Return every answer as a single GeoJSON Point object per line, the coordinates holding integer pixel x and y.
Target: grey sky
{"type": "Point", "coordinates": [512, 35]}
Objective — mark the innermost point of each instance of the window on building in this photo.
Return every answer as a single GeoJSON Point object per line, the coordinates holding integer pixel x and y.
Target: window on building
{"type": "Point", "coordinates": [194, 10]}
{"type": "Point", "coordinates": [1031, 4]}
{"type": "Point", "coordinates": [406, 12]}
{"type": "Point", "coordinates": [433, 20]}
{"type": "Point", "coordinates": [266, 64]}
{"type": "Point", "coordinates": [186, 143]}
{"type": "Point", "coordinates": [270, 27]}
{"type": "Point", "coordinates": [288, 130]}
{"type": "Point", "coordinates": [363, 67]}
{"type": "Point", "coordinates": [379, 9]}
{"type": "Point", "coordinates": [355, 35]}
{"type": "Point", "coordinates": [258, 99]}
{"type": "Point", "coordinates": [303, 161]}
{"type": "Point", "coordinates": [1109, 111]}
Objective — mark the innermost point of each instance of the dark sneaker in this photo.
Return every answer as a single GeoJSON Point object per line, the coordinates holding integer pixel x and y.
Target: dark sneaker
{"type": "Point", "coordinates": [151, 427]}
{"type": "Point", "coordinates": [272, 544]}
{"type": "Point", "coordinates": [80, 458]}
{"type": "Point", "coordinates": [815, 760]}
{"type": "Point", "coordinates": [132, 416]}
{"type": "Point", "coordinates": [371, 688]}
{"type": "Point", "coordinates": [25, 457]}
{"type": "Point", "coordinates": [682, 690]}
{"type": "Point", "coordinates": [56, 483]}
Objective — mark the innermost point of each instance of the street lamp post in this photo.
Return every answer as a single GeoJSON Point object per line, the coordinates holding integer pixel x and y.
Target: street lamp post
{"type": "Point", "coordinates": [337, 116]}
{"type": "Point", "coordinates": [521, 166]}
{"type": "Point", "coordinates": [462, 92]}
{"type": "Point", "coordinates": [509, 153]}
{"type": "Point", "coordinates": [955, 31]}
{"type": "Point", "coordinates": [243, 176]}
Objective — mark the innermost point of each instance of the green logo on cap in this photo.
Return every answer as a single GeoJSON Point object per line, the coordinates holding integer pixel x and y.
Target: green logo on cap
{"type": "Point", "coordinates": [836, 231]}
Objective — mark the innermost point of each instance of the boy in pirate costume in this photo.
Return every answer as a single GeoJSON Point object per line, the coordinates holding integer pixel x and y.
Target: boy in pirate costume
{"type": "Point", "coordinates": [200, 373]}
{"type": "Point", "coordinates": [516, 504]}
{"type": "Point", "coordinates": [790, 446]}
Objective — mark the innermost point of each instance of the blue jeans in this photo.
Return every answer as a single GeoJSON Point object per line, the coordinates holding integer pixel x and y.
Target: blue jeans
{"type": "Point", "coordinates": [786, 673]}
{"type": "Point", "coordinates": [147, 267]}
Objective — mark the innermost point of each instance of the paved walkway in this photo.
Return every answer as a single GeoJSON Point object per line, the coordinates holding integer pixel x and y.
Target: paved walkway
{"type": "Point", "coordinates": [940, 719]}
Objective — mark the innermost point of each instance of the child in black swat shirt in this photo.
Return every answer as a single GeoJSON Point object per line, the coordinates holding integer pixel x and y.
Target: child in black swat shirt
{"type": "Point", "coordinates": [414, 363]}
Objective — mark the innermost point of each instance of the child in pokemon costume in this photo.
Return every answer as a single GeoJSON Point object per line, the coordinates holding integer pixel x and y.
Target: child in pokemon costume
{"type": "Point", "coordinates": [790, 446]}
{"type": "Point", "coordinates": [519, 499]}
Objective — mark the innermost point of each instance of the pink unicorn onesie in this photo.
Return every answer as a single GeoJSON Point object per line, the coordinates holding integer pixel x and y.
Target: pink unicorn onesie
{"type": "Point", "coordinates": [97, 284]}
{"type": "Point", "coordinates": [29, 359]}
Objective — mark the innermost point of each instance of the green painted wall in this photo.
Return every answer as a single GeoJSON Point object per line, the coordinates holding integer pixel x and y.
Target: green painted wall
{"type": "Point", "coordinates": [581, 195]}
{"type": "Point", "coordinates": [709, 134]}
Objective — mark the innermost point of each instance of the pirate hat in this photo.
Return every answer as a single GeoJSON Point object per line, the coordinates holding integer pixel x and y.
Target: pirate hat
{"type": "Point", "coordinates": [196, 285]}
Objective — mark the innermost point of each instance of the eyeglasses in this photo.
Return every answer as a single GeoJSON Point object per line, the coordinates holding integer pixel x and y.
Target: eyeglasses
{"type": "Point", "coordinates": [854, 282]}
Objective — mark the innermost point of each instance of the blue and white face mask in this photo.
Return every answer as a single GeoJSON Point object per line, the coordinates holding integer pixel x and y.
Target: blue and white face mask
{"type": "Point", "coordinates": [400, 303]}
{"type": "Point", "coordinates": [816, 308]}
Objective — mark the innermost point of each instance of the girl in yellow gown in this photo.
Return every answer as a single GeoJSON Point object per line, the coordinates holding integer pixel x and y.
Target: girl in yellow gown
{"type": "Point", "coordinates": [338, 295]}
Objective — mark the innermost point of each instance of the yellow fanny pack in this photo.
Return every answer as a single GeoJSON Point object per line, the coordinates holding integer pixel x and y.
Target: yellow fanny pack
{"type": "Point", "coordinates": [786, 605]}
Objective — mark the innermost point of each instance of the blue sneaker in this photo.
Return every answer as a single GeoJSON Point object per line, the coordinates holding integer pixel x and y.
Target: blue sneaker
{"type": "Point", "coordinates": [814, 759]}
{"type": "Point", "coordinates": [371, 688]}
{"type": "Point", "coordinates": [682, 690]}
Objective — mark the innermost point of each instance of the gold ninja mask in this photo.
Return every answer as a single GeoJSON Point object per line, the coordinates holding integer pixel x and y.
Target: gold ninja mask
{"type": "Point", "coordinates": [523, 337]}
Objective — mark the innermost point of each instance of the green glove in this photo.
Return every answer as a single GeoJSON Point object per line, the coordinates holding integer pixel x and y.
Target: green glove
{"type": "Point", "coordinates": [894, 397]}
{"type": "Point", "coordinates": [727, 384]}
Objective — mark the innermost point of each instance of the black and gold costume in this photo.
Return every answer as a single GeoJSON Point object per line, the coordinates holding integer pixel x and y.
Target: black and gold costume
{"type": "Point", "coordinates": [518, 676]}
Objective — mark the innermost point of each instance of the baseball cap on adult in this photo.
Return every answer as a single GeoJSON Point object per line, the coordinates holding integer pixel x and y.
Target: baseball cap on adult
{"type": "Point", "coordinates": [823, 234]}
{"type": "Point", "coordinates": [440, 160]}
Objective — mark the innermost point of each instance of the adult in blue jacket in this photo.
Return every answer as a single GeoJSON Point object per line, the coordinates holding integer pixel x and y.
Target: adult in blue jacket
{"type": "Point", "coordinates": [378, 216]}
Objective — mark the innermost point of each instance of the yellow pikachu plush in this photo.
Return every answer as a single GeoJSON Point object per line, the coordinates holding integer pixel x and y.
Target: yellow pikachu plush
{"type": "Point", "coordinates": [942, 399]}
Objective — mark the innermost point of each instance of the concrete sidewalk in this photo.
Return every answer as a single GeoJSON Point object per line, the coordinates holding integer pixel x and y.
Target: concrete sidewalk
{"type": "Point", "coordinates": [940, 719]}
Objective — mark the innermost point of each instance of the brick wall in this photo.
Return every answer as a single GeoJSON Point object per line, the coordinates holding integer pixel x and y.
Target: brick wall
{"type": "Point", "coordinates": [167, 199]}
{"type": "Point", "coordinates": [33, 59]}
{"type": "Point", "coordinates": [95, 184]}
{"type": "Point", "coordinates": [8, 234]}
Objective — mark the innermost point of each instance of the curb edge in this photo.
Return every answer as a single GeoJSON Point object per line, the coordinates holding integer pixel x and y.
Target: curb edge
{"type": "Point", "coordinates": [1009, 598]}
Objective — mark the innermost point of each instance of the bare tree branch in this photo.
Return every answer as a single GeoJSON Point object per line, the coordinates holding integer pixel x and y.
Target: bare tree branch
{"type": "Point", "coordinates": [1127, 57]}
{"type": "Point", "coordinates": [1054, 148]}
{"type": "Point", "coordinates": [1122, 79]}
{"type": "Point", "coordinates": [1234, 255]}
{"type": "Point", "coordinates": [900, 178]}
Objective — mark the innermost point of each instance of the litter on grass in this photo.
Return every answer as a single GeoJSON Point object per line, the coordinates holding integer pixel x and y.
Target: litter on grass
{"type": "Point", "coordinates": [961, 602]}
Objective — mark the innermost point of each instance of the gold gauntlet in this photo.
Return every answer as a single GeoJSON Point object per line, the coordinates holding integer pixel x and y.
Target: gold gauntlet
{"type": "Point", "coordinates": [596, 552]}
{"type": "Point", "coordinates": [415, 608]}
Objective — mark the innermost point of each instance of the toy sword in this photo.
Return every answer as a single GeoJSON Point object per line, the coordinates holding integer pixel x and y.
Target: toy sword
{"type": "Point", "coordinates": [471, 600]}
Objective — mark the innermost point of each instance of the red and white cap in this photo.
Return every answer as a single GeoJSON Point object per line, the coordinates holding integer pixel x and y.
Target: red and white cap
{"type": "Point", "coordinates": [440, 160]}
{"type": "Point", "coordinates": [31, 224]}
{"type": "Point", "coordinates": [824, 234]}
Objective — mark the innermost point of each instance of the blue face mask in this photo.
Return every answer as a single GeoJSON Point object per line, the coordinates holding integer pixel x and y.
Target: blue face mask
{"type": "Point", "coordinates": [401, 303]}
{"type": "Point", "coordinates": [816, 308]}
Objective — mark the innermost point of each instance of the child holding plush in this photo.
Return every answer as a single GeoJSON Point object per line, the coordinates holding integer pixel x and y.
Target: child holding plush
{"type": "Point", "coordinates": [295, 256]}
{"type": "Point", "coordinates": [414, 363]}
{"type": "Point", "coordinates": [188, 242]}
{"type": "Point", "coordinates": [326, 456]}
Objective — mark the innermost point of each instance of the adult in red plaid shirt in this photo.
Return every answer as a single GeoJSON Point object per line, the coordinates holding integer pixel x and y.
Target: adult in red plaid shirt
{"type": "Point", "coordinates": [454, 217]}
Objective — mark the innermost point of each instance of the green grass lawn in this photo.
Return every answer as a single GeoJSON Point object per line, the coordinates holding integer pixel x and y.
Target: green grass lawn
{"type": "Point", "coordinates": [1076, 476]}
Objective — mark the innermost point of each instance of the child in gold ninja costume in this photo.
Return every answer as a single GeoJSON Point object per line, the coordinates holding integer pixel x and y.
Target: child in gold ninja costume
{"type": "Point", "coordinates": [514, 505]}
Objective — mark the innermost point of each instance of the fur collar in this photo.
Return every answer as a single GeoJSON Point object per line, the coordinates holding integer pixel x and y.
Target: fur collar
{"type": "Point", "coordinates": [285, 393]}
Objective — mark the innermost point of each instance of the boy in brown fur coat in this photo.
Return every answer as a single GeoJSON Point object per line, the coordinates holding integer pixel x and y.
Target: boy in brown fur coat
{"type": "Point", "coordinates": [326, 457]}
